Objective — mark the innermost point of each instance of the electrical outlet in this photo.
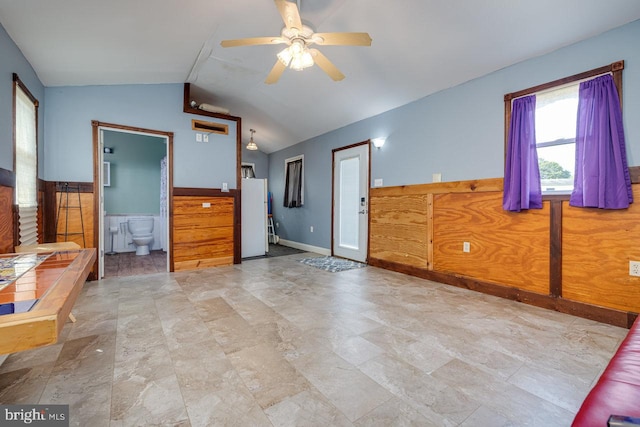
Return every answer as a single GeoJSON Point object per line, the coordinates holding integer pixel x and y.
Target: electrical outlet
{"type": "Point", "coordinates": [311, 229]}
{"type": "Point", "coordinates": [466, 247]}
{"type": "Point", "coordinates": [634, 268]}
{"type": "Point", "coordinates": [198, 137]}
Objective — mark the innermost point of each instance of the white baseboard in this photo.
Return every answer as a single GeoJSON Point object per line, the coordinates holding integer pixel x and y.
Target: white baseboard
{"type": "Point", "coordinates": [305, 247]}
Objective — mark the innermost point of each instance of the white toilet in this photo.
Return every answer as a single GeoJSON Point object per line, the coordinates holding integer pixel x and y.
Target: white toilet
{"type": "Point", "coordinates": [141, 230]}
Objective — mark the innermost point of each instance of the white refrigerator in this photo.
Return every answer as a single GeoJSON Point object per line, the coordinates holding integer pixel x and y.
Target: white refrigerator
{"type": "Point", "coordinates": [254, 217]}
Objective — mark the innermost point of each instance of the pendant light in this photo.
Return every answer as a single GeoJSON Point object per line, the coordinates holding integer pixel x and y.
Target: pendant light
{"type": "Point", "coordinates": [252, 145]}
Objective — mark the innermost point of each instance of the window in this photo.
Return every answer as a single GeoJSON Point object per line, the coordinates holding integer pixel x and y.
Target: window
{"type": "Point", "coordinates": [106, 174]}
{"type": "Point", "coordinates": [248, 170]}
{"type": "Point", "coordinates": [555, 117]}
{"type": "Point", "coordinates": [294, 182]}
{"type": "Point", "coordinates": [555, 125]}
{"type": "Point", "coordinates": [26, 162]}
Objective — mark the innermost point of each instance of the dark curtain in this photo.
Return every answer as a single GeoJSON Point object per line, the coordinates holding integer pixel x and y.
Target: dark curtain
{"type": "Point", "coordinates": [293, 185]}
{"type": "Point", "coordinates": [248, 172]}
{"type": "Point", "coordinates": [522, 189]}
{"type": "Point", "coordinates": [602, 177]}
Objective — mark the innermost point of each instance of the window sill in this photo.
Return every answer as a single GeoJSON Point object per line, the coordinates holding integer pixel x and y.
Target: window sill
{"type": "Point", "coordinates": [556, 196]}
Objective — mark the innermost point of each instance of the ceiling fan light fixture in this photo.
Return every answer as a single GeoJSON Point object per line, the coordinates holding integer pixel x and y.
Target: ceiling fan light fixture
{"type": "Point", "coordinates": [297, 47]}
{"type": "Point", "coordinates": [298, 55]}
{"type": "Point", "coordinates": [285, 56]}
{"type": "Point", "coordinates": [252, 145]}
{"type": "Point", "coordinates": [300, 62]}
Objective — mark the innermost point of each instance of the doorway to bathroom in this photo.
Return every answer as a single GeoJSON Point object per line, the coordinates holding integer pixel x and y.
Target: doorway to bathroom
{"type": "Point", "coordinates": [134, 202]}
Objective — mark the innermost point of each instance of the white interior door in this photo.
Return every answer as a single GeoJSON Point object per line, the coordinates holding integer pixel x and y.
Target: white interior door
{"type": "Point", "coordinates": [351, 202]}
{"type": "Point", "coordinates": [101, 203]}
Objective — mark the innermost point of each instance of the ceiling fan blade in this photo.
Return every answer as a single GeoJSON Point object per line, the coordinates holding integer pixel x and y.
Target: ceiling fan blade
{"type": "Point", "coordinates": [252, 41]}
{"type": "Point", "coordinates": [275, 73]}
{"type": "Point", "coordinates": [342, 39]}
{"type": "Point", "coordinates": [326, 65]}
{"type": "Point", "coordinates": [290, 14]}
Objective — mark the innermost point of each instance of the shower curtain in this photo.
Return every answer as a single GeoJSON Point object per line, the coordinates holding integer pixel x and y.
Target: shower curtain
{"type": "Point", "coordinates": [163, 202]}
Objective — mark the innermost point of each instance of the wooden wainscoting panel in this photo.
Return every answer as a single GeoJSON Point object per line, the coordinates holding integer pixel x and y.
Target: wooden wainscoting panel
{"type": "Point", "coordinates": [6, 219]}
{"type": "Point", "coordinates": [470, 186]}
{"type": "Point", "coordinates": [507, 248]}
{"type": "Point", "coordinates": [202, 236]}
{"type": "Point", "coordinates": [73, 225]}
{"type": "Point", "coordinates": [41, 213]}
{"type": "Point", "coordinates": [597, 247]}
{"type": "Point", "coordinates": [399, 227]}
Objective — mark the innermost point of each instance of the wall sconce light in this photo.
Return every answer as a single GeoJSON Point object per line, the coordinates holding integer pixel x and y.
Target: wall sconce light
{"type": "Point", "coordinates": [108, 150]}
{"type": "Point", "coordinates": [378, 142]}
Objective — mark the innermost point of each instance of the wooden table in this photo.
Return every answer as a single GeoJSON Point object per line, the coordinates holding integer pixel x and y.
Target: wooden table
{"type": "Point", "coordinates": [54, 280]}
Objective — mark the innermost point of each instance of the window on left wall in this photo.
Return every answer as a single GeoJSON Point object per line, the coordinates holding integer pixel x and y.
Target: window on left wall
{"type": "Point", "coordinates": [25, 107]}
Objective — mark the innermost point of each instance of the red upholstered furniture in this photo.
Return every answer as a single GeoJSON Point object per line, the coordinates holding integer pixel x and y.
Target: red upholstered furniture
{"type": "Point", "coordinates": [618, 389]}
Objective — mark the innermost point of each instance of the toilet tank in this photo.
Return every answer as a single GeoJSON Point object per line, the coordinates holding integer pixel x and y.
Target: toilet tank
{"type": "Point", "coordinates": [142, 225]}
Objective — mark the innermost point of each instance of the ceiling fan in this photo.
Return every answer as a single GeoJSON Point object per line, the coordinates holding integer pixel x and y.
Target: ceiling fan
{"type": "Point", "coordinates": [297, 55]}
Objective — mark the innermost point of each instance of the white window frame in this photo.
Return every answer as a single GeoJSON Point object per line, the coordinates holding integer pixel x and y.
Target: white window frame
{"type": "Point", "coordinates": [253, 166]}
{"type": "Point", "coordinates": [26, 188]}
{"type": "Point", "coordinates": [557, 142]}
{"type": "Point", "coordinates": [286, 166]}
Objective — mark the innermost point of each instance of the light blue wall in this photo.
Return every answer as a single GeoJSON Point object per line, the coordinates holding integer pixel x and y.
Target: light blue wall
{"type": "Point", "coordinates": [458, 132]}
{"type": "Point", "coordinates": [13, 61]}
{"type": "Point", "coordinates": [70, 111]}
{"type": "Point", "coordinates": [135, 173]}
{"type": "Point", "coordinates": [260, 159]}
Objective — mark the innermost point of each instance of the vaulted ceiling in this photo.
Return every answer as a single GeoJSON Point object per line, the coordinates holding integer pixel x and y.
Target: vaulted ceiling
{"type": "Point", "coordinates": [419, 47]}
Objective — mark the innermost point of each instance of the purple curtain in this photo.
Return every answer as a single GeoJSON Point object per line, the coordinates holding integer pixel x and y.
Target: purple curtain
{"type": "Point", "coordinates": [602, 177]}
{"type": "Point", "coordinates": [522, 188]}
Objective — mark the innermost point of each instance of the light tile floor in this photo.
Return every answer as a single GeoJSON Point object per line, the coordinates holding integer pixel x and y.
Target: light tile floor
{"type": "Point", "coordinates": [129, 264]}
{"type": "Point", "coordinates": [276, 342]}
